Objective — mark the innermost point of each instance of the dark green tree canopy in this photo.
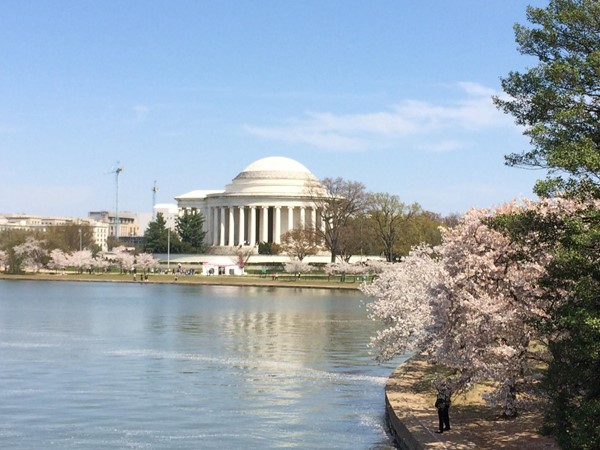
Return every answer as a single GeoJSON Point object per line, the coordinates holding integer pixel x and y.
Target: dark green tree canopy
{"type": "Point", "coordinates": [558, 101]}
{"type": "Point", "coordinates": [189, 226]}
{"type": "Point", "coordinates": [157, 236]}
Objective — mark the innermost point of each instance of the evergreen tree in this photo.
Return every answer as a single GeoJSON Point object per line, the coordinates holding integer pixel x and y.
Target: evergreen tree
{"type": "Point", "coordinates": [190, 230]}
{"type": "Point", "coordinates": [158, 237]}
{"type": "Point", "coordinates": [558, 101]}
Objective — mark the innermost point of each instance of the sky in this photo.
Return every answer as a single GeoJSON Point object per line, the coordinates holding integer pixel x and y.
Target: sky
{"type": "Point", "coordinates": [394, 94]}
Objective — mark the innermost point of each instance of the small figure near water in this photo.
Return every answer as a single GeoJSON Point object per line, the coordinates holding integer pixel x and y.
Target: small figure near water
{"type": "Point", "coordinates": [442, 403]}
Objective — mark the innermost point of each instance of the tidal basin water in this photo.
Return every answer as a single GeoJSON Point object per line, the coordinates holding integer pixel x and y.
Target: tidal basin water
{"type": "Point", "coordinates": [144, 366]}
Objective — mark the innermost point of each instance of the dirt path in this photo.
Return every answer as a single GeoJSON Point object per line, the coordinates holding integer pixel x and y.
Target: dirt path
{"type": "Point", "coordinates": [410, 396]}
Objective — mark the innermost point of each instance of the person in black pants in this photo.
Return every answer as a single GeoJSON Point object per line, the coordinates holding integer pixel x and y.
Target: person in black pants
{"type": "Point", "coordinates": [442, 403]}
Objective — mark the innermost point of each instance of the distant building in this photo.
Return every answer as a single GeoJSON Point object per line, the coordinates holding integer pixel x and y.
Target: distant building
{"type": "Point", "coordinates": [128, 226]}
{"type": "Point", "coordinates": [268, 198]}
{"type": "Point", "coordinates": [43, 223]}
{"type": "Point", "coordinates": [169, 211]}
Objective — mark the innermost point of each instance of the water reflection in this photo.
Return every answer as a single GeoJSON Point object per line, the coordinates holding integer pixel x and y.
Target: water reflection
{"type": "Point", "coordinates": [164, 366]}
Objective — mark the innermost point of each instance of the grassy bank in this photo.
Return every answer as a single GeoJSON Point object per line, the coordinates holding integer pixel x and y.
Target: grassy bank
{"type": "Point", "coordinates": [217, 280]}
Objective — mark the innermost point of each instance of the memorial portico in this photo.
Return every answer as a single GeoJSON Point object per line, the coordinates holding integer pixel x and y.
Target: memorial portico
{"type": "Point", "coordinates": [266, 200]}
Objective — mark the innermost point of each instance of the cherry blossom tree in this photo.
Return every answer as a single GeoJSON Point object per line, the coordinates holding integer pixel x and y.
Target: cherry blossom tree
{"type": "Point", "coordinates": [297, 267]}
{"type": "Point", "coordinates": [469, 303]}
{"type": "Point", "coordinates": [485, 303]}
{"type": "Point", "coordinates": [146, 261]}
{"type": "Point", "coordinates": [404, 304]}
{"type": "Point", "coordinates": [375, 266]}
{"type": "Point", "coordinates": [571, 313]}
{"type": "Point", "coordinates": [58, 260]}
{"type": "Point", "coordinates": [82, 260]}
{"type": "Point", "coordinates": [344, 268]}
{"type": "Point", "coordinates": [30, 254]}
{"type": "Point", "coordinates": [123, 258]}
{"type": "Point", "coordinates": [4, 259]}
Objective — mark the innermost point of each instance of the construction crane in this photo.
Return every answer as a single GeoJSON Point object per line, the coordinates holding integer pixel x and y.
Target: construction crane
{"type": "Point", "coordinates": [117, 171]}
{"type": "Point", "coordinates": [154, 191]}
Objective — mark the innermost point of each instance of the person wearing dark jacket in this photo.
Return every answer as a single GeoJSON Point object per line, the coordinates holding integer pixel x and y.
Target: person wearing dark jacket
{"type": "Point", "coordinates": [442, 403]}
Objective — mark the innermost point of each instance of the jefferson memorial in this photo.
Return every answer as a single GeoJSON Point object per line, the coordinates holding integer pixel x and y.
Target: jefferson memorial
{"type": "Point", "coordinates": [268, 198]}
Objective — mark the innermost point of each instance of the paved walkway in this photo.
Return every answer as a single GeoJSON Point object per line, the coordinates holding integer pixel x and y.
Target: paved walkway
{"type": "Point", "coordinates": [410, 397]}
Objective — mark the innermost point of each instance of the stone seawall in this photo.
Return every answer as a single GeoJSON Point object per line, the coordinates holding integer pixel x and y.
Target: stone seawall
{"type": "Point", "coordinates": [411, 418]}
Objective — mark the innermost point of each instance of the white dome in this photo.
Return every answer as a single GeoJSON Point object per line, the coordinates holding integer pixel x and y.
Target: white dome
{"type": "Point", "coordinates": [276, 164]}
{"type": "Point", "coordinates": [273, 175]}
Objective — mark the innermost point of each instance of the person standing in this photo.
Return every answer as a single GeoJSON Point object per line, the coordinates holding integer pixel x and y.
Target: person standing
{"type": "Point", "coordinates": [442, 403]}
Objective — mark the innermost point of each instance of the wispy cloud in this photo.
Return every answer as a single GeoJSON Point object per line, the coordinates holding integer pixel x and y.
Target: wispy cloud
{"type": "Point", "coordinates": [441, 123]}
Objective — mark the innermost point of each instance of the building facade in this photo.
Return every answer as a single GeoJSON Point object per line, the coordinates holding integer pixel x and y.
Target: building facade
{"type": "Point", "coordinates": [128, 225]}
{"type": "Point", "coordinates": [169, 211]}
{"type": "Point", "coordinates": [43, 223]}
{"type": "Point", "coordinates": [268, 198]}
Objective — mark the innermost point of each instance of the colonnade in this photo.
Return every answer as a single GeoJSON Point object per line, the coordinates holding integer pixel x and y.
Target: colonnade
{"type": "Point", "coordinates": [248, 225]}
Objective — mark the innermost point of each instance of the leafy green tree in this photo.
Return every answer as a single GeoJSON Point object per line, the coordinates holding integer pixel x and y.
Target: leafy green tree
{"type": "Point", "coordinates": [558, 101]}
{"type": "Point", "coordinates": [268, 248]}
{"type": "Point", "coordinates": [158, 237]}
{"type": "Point", "coordinates": [387, 216]}
{"type": "Point", "coordinates": [420, 228]}
{"type": "Point", "coordinates": [70, 238]}
{"type": "Point", "coordinates": [189, 226]}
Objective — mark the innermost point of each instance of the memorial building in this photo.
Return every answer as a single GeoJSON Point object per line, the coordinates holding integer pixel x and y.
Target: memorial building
{"type": "Point", "coordinates": [268, 198]}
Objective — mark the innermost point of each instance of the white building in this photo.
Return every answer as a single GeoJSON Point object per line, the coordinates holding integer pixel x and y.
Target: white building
{"type": "Point", "coordinates": [42, 223]}
{"type": "Point", "coordinates": [128, 226]}
{"type": "Point", "coordinates": [169, 211]}
{"type": "Point", "coordinates": [267, 199]}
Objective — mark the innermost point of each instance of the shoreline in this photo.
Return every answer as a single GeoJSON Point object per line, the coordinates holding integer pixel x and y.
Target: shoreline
{"type": "Point", "coordinates": [216, 280]}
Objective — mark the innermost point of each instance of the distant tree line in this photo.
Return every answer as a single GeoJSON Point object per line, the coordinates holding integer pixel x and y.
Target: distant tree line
{"type": "Point", "coordinates": [356, 222]}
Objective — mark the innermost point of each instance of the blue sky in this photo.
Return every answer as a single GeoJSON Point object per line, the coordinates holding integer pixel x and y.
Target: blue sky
{"type": "Point", "coordinates": [394, 94]}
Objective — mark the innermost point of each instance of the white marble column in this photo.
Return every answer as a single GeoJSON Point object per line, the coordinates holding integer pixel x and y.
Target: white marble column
{"type": "Point", "coordinates": [215, 228]}
{"type": "Point", "coordinates": [264, 224]}
{"type": "Point", "coordinates": [222, 228]}
{"type": "Point", "coordinates": [277, 230]}
{"type": "Point", "coordinates": [313, 218]}
{"type": "Point", "coordinates": [208, 223]}
{"type": "Point", "coordinates": [290, 218]}
{"type": "Point", "coordinates": [252, 226]}
{"type": "Point", "coordinates": [230, 242]}
{"type": "Point", "coordinates": [241, 229]}
{"type": "Point", "coordinates": [302, 217]}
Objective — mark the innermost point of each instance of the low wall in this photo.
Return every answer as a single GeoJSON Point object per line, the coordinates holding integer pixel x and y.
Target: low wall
{"type": "Point", "coordinates": [403, 437]}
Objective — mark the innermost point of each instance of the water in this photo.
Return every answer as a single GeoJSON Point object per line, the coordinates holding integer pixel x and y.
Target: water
{"type": "Point", "coordinates": [143, 366]}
